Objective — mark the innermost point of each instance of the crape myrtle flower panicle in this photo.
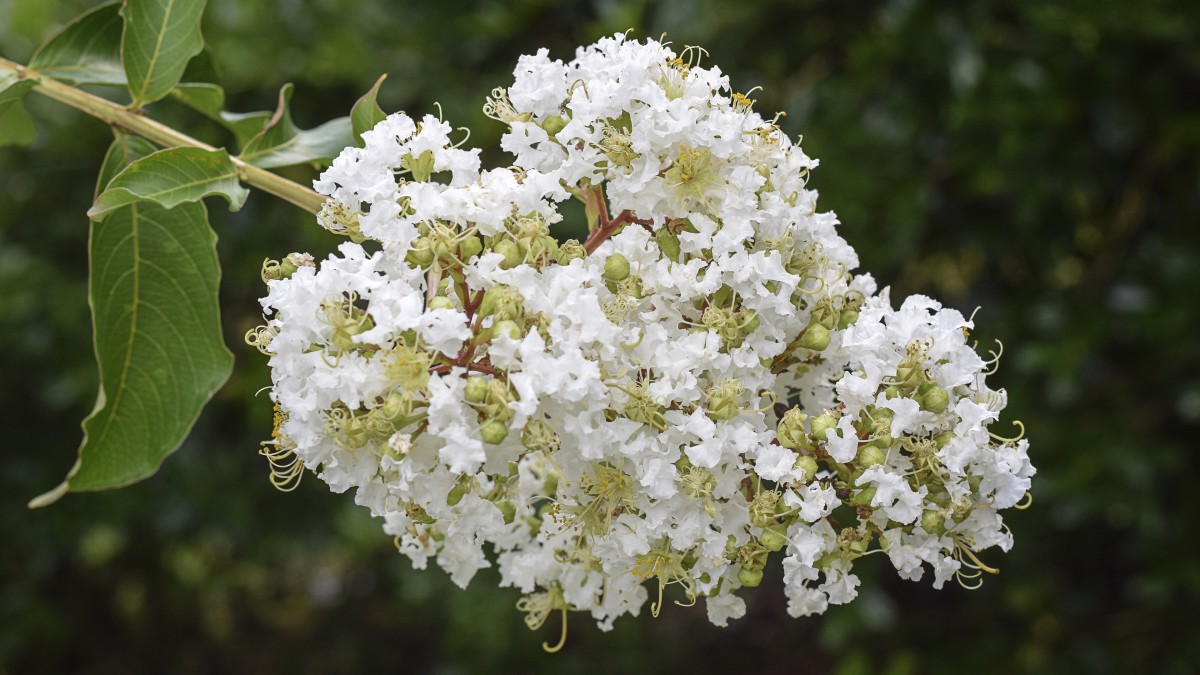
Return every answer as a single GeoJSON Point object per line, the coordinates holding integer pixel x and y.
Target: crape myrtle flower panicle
{"type": "Point", "coordinates": [700, 385]}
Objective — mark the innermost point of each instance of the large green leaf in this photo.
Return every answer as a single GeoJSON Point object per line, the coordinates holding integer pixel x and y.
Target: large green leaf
{"type": "Point", "coordinates": [154, 277]}
{"type": "Point", "coordinates": [16, 126]}
{"type": "Point", "coordinates": [171, 177]}
{"type": "Point", "coordinates": [85, 51]}
{"type": "Point", "coordinates": [366, 112]}
{"type": "Point", "coordinates": [125, 150]}
{"type": "Point", "coordinates": [282, 143]}
{"type": "Point", "coordinates": [160, 37]}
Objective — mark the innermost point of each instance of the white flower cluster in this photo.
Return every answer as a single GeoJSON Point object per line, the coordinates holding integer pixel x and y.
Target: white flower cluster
{"type": "Point", "coordinates": [699, 384]}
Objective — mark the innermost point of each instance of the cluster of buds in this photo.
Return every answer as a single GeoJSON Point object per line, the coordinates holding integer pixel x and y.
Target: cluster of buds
{"type": "Point", "coordinates": [698, 387]}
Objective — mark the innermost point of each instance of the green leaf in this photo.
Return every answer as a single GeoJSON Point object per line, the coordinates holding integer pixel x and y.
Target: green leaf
{"type": "Point", "coordinates": [282, 143]}
{"type": "Point", "coordinates": [85, 51]}
{"type": "Point", "coordinates": [160, 37]}
{"type": "Point", "coordinates": [170, 177]}
{"type": "Point", "coordinates": [16, 126]}
{"type": "Point", "coordinates": [366, 113]}
{"type": "Point", "coordinates": [157, 333]}
{"type": "Point", "coordinates": [209, 100]}
{"type": "Point", "coordinates": [125, 150]}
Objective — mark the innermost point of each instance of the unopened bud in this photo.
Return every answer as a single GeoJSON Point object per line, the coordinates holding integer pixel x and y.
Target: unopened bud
{"type": "Point", "coordinates": [816, 337]}
{"type": "Point", "coordinates": [750, 577]}
{"type": "Point", "coordinates": [476, 389]}
{"type": "Point", "coordinates": [616, 268]}
{"type": "Point", "coordinates": [935, 399]}
{"type": "Point", "coordinates": [493, 432]}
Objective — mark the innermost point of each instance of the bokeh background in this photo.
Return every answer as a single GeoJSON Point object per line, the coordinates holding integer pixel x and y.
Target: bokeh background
{"type": "Point", "coordinates": [1037, 159]}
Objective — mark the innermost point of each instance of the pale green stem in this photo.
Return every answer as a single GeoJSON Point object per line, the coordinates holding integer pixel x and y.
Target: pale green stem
{"type": "Point", "coordinates": [136, 122]}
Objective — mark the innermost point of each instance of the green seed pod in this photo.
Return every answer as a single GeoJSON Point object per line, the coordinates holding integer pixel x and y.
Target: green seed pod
{"type": "Point", "coordinates": [494, 432]}
{"type": "Point", "coordinates": [476, 389]}
{"type": "Point", "coordinates": [511, 252]}
{"type": "Point", "coordinates": [616, 268]}
{"type": "Point", "coordinates": [441, 302]}
{"type": "Point", "coordinates": [816, 337]}
{"type": "Point", "coordinates": [668, 243]}
{"type": "Point", "coordinates": [822, 423]}
{"type": "Point", "coordinates": [935, 400]}
{"type": "Point", "coordinates": [750, 577]}
{"type": "Point", "coordinates": [470, 247]}
{"type": "Point", "coordinates": [791, 432]}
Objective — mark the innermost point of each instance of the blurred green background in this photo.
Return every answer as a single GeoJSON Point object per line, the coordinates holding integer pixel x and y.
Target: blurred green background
{"type": "Point", "coordinates": [1038, 159]}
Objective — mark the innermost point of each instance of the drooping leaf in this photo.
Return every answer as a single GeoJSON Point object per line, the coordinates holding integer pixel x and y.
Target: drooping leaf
{"type": "Point", "coordinates": [170, 177]}
{"type": "Point", "coordinates": [282, 143]}
{"type": "Point", "coordinates": [85, 51]}
{"type": "Point", "coordinates": [125, 150]}
{"type": "Point", "coordinates": [156, 323]}
{"type": "Point", "coordinates": [209, 100]}
{"type": "Point", "coordinates": [160, 37]}
{"type": "Point", "coordinates": [366, 113]}
{"type": "Point", "coordinates": [16, 126]}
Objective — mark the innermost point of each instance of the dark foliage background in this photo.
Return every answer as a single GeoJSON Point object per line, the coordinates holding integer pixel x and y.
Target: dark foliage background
{"type": "Point", "coordinates": [1038, 159]}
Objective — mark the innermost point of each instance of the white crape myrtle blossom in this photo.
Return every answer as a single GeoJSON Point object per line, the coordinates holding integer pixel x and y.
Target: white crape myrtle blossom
{"type": "Point", "coordinates": [699, 385]}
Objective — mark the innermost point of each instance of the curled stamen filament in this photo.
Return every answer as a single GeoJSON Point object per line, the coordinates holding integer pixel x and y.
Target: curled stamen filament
{"type": "Point", "coordinates": [1026, 502]}
{"type": "Point", "coordinates": [562, 640]}
{"type": "Point", "coordinates": [1002, 439]}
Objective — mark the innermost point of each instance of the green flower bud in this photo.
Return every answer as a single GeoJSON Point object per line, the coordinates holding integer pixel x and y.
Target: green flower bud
{"type": "Point", "coordinates": [441, 302]}
{"type": "Point", "coordinates": [935, 400]}
{"type": "Point", "coordinates": [508, 510]}
{"type": "Point", "coordinates": [807, 465]}
{"type": "Point", "coordinates": [773, 539]}
{"type": "Point", "coordinates": [553, 124]}
{"type": "Point", "coordinates": [470, 247]}
{"type": "Point", "coordinates": [815, 337]}
{"type": "Point", "coordinates": [791, 432]}
{"type": "Point", "coordinates": [511, 252]}
{"type": "Point", "coordinates": [868, 456]}
{"type": "Point", "coordinates": [507, 327]}
{"type": "Point", "coordinates": [822, 423]}
{"type": "Point", "coordinates": [493, 432]}
{"type": "Point", "coordinates": [750, 577]}
{"type": "Point", "coordinates": [476, 389]}
{"type": "Point", "coordinates": [420, 254]}
{"type": "Point", "coordinates": [933, 522]}
{"type": "Point", "coordinates": [863, 497]}
{"type": "Point", "coordinates": [848, 318]}
{"type": "Point", "coordinates": [616, 268]}
{"type": "Point", "coordinates": [668, 243]}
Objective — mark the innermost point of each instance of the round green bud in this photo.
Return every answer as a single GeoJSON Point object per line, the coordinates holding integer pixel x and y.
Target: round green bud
{"type": "Point", "coordinates": [807, 465]}
{"type": "Point", "coordinates": [847, 318]}
{"type": "Point", "coordinates": [750, 577]}
{"type": "Point", "coordinates": [863, 497]}
{"type": "Point", "coordinates": [470, 247]}
{"type": "Point", "coordinates": [511, 252]}
{"type": "Point", "coordinates": [419, 255]}
{"type": "Point", "coordinates": [441, 302]}
{"type": "Point", "coordinates": [822, 423]}
{"type": "Point", "coordinates": [494, 432]}
{"type": "Point", "coordinates": [554, 124]}
{"type": "Point", "coordinates": [455, 495]}
{"type": "Point", "coordinates": [616, 268]}
{"type": "Point", "coordinates": [668, 243]}
{"type": "Point", "coordinates": [507, 327]}
{"type": "Point", "coordinates": [935, 400]}
{"type": "Point", "coordinates": [508, 510]}
{"type": "Point", "coordinates": [816, 337]}
{"type": "Point", "coordinates": [933, 522]}
{"type": "Point", "coordinates": [773, 539]}
{"type": "Point", "coordinates": [476, 389]}
{"type": "Point", "coordinates": [869, 455]}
